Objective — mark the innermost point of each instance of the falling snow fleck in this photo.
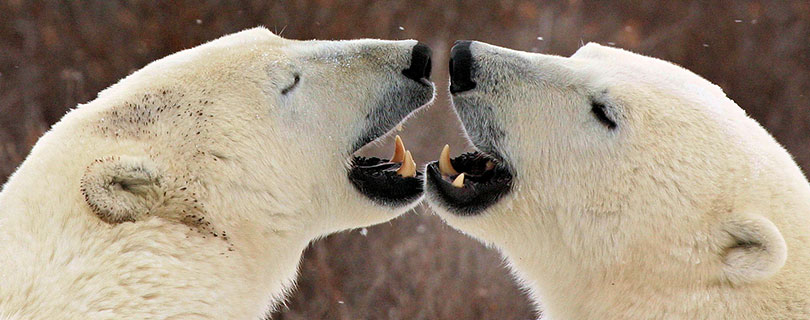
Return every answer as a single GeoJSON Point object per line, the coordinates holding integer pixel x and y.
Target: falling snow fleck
{"type": "Point", "coordinates": [341, 301]}
{"type": "Point", "coordinates": [737, 20]}
{"type": "Point", "coordinates": [401, 28]}
{"type": "Point", "coordinates": [540, 38]}
{"type": "Point", "coordinates": [705, 45]}
{"type": "Point", "coordinates": [198, 21]}
{"type": "Point", "coordinates": [364, 231]}
{"type": "Point", "coordinates": [611, 43]}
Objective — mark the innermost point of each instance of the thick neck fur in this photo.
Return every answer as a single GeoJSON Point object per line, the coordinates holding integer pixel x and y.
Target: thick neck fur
{"type": "Point", "coordinates": [61, 261]}
{"type": "Point", "coordinates": [568, 281]}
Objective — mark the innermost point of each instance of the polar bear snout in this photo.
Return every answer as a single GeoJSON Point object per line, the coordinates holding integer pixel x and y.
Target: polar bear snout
{"type": "Point", "coordinates": [393, 182]}
{"type": "Point", "coordinates": [421, 65]}
{"type": "Point", "coordinates": [481, 67]}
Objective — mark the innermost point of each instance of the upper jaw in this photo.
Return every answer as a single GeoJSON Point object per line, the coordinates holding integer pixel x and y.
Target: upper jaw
{"type": "Point", "coordinates": [469, 98]}
{"type": "Point", "coordinates": [383, 118]}
{"type": "Point", "coordinates": [481, 126]}
{"type": "Point", "coordinates": [393, 182]}
{"type": "Point", "coordinates": [409, 91]}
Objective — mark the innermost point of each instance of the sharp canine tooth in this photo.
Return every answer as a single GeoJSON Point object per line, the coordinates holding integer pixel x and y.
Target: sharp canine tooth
{"type": "Point", "coordinates": [445, 167]}
{"type": "Point", "coordinates": [399, 150]}
{"type": "Point", "coordinates": [408, 168]}
{"type": "Point", "coordinates": [459, 182]}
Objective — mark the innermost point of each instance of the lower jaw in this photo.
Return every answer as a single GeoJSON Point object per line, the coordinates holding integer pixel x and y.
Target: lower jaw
{"type": "Point", "coordinates": [470, 198]}
{"type": "Point", "coordinates": [408, 194]}
{"type": "Point", "coordinates": [391, 183]}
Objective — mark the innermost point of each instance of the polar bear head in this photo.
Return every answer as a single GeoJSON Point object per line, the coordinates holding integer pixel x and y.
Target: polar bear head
{"type": "Point", "coordinates": [610, 167]}
{"type": "Point", "coordinates": [253, 123]}
{"type": "Point", "coordinates": [191, 187]}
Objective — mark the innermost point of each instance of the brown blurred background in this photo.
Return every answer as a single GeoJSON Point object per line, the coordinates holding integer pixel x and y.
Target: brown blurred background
{"type": "Point", "coordinates": [54, 55]}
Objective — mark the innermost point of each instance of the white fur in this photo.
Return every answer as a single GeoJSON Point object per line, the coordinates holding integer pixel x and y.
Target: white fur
{"type": "Point", "coordinates": [220, 181]}
{"type": "Point", "coordinates": [689, 209]}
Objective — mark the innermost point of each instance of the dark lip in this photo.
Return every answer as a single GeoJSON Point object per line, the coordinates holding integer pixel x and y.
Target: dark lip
{"type": "Point", "coordinates": [377, 179]}
{"type": "Point", "coordinates": [482, 188]}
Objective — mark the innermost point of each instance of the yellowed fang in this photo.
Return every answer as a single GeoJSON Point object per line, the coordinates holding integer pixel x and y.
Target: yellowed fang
{"type": "Point", "coordinates": [445, 167]}
{"type": "Point", "coordinates": [408, 168]}
{"type": "Point", "coordinates": [399, 150]}
{"type": "Point", "coordinates": [459, 181]}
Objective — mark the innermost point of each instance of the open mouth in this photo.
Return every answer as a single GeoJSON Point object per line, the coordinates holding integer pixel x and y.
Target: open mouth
{"type": "Point", "coordinates": [469, 183]}
{"type": "Point", "coordinates": [394, 182]}
{"type": "Point", "coordinates": [390, 182]}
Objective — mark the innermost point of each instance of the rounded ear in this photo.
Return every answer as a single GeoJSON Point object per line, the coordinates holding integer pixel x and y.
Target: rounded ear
{"type": "Point", "coordinates": [123, 188]}
{"type": "Point", "coordinates": [757, 250]}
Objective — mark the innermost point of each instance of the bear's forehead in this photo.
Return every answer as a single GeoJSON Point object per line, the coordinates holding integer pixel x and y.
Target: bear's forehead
{"type": "Point", "coordinates": [622, 63]}
{"type": "Point", "coordinates": [253, 44]}
{"type": "Point", "coordinates": [249, 36]}
{"type": "Point", "coordinates": [624, 70]}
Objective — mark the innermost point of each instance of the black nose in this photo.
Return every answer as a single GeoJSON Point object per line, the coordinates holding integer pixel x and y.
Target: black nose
{"type": "Point", "coordinates": [461, 67]}
{"type": "Point", "coordinates": [420, 63]}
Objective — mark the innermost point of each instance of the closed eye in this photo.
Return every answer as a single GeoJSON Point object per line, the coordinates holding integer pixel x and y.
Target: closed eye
{"type": "Point", "coordinates": [292, 86]}
{"type": "Point", "coordinates": [598, 110]}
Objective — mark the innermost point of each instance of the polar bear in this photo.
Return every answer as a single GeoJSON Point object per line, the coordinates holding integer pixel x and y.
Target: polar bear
{"type": "Point", "coordinates": [620, 186]}
{"type": "Point", "coordinates": [189, 189]}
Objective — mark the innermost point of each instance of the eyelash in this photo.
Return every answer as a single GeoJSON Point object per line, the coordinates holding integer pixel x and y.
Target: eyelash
{"type": "Point", "coordinates": [598, 111]}
{"type": "Point", "coordinates": [292, 86]}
